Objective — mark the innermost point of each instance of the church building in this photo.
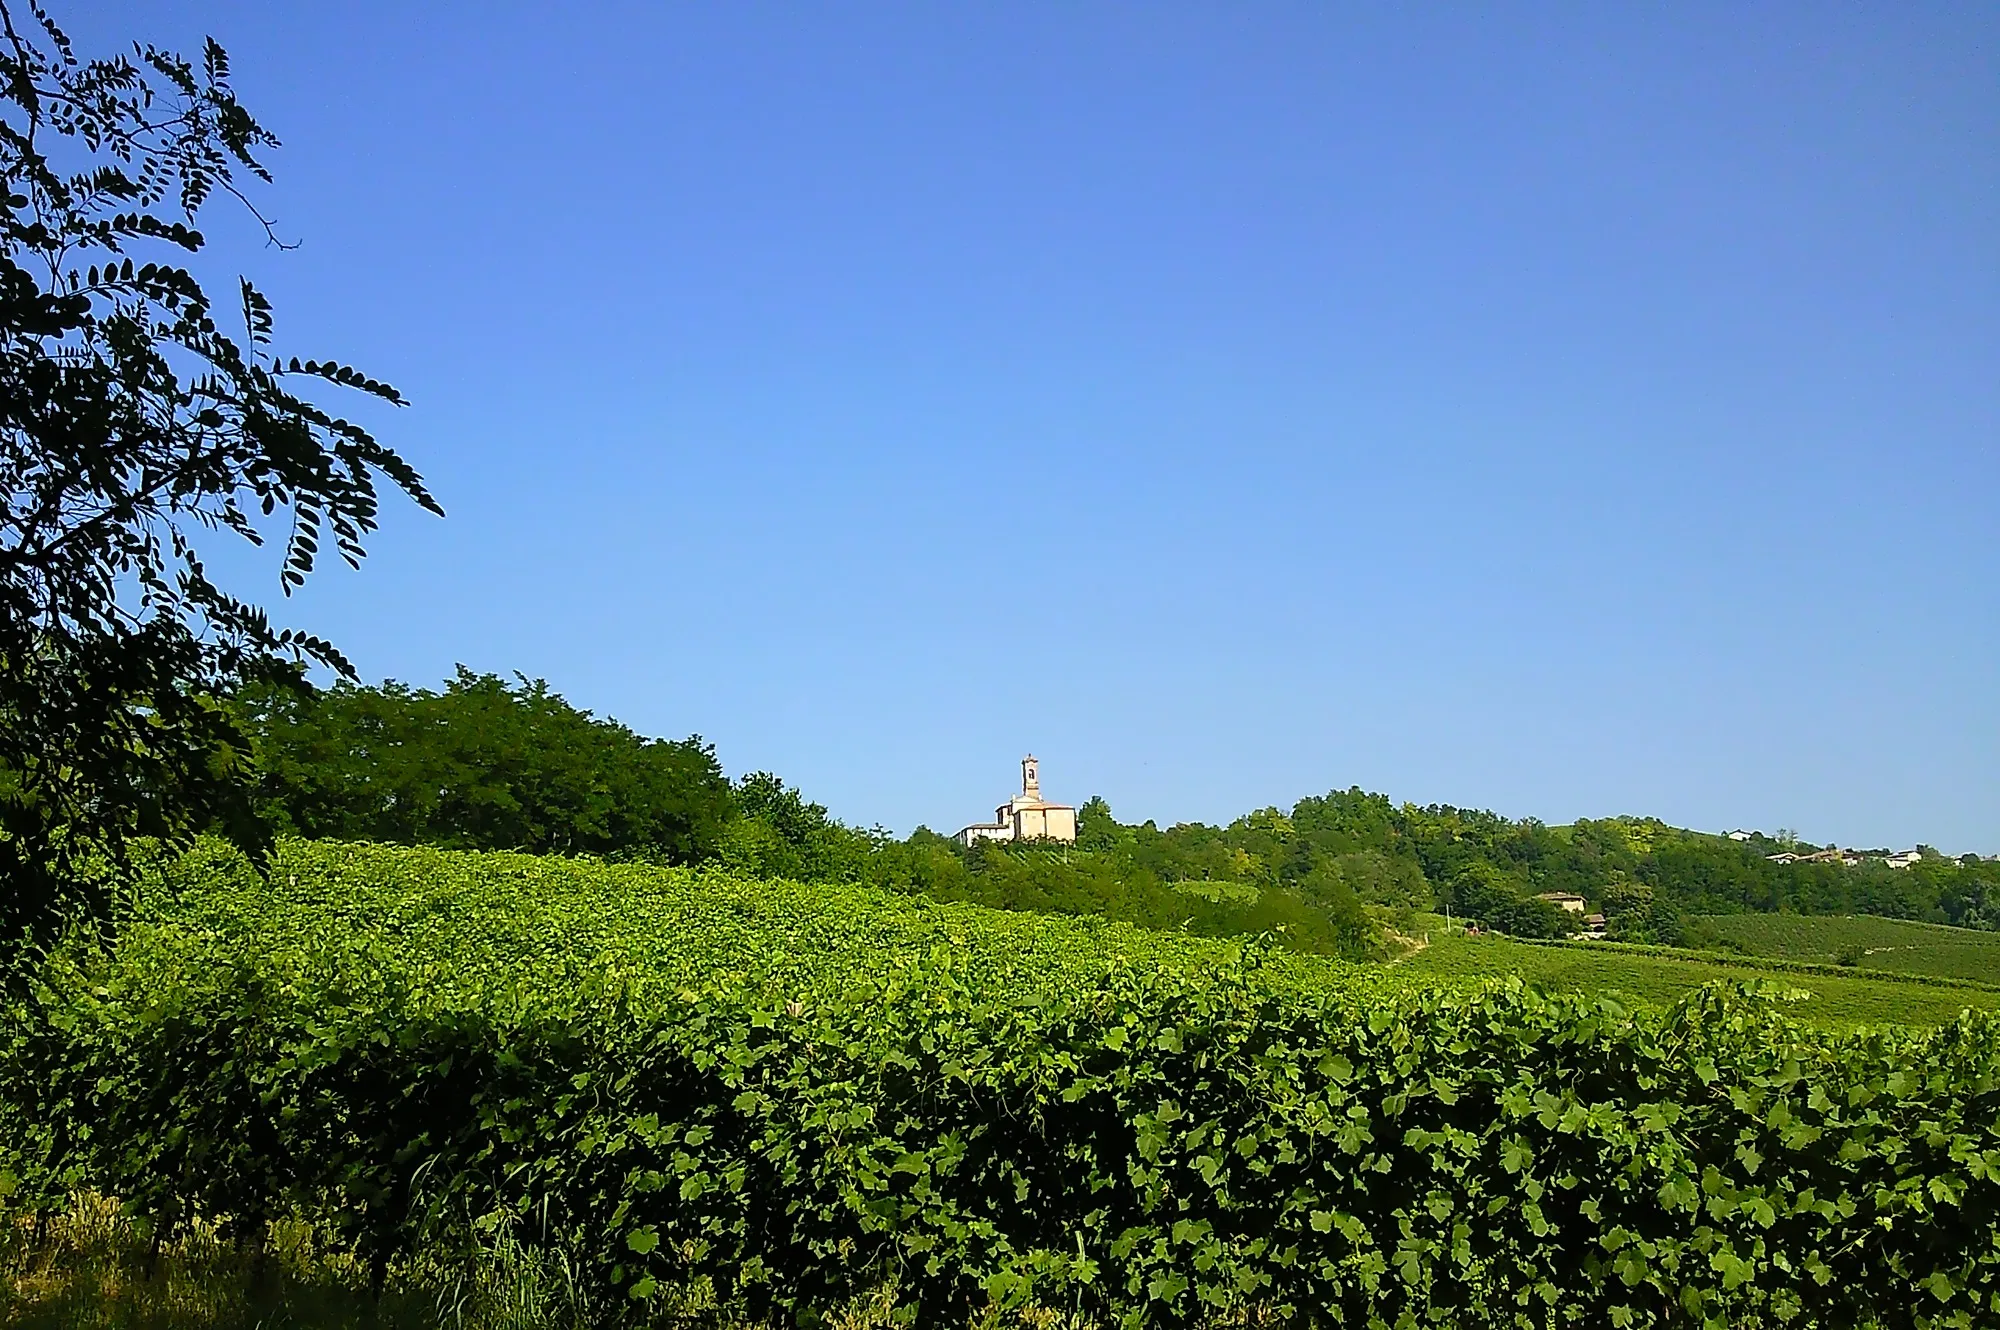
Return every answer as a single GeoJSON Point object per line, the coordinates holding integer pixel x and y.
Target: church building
{"type": "Point", "coordinates": [1025, 816]}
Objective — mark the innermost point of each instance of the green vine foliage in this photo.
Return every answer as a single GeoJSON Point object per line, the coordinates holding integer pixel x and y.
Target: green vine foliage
{"type": "Point", "coordinates": [803, 1093]}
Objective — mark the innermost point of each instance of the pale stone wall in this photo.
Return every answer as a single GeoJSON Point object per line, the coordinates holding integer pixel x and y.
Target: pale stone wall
{"type": "Point", "coordinates": [1059, 822]}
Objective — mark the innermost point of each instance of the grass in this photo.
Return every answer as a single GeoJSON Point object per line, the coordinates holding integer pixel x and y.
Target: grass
{"type": "Point", "coordinates": [91, 1268]}
{"type": "Point", "coordinates": [1877, 944]}
{"type": "Point", "coordinates": [1838, 1001]}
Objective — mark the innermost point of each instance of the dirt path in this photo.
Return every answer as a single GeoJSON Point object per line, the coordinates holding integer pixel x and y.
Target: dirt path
{"type": "Point", "coordinates": [1411, 946]}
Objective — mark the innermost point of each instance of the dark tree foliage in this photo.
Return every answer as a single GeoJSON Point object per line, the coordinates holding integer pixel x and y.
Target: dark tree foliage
{"type": "Point", "coordinates": [483, 764]}
{"type": "Point", "coordinates": [1634, 913]}
{"type": "Point", "coordinates": [1498, 900]}
{"type": "Point", "coordinates": [778, 832]}
{"type": "Point", "coordinates": [135, 412]}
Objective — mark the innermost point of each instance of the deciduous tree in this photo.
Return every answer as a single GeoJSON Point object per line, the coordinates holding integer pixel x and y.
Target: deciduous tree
{"type": "Point", "coordinates": [138, 411]}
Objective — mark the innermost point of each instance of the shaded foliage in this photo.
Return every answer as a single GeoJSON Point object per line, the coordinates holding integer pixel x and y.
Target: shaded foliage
{"type": "Point", "coordinates": [482, 763]}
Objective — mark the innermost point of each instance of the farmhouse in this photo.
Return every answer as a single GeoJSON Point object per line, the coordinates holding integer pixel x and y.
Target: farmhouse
{"type": "Point", "coordinates": [1026, 816]}
{"type": "Point", "coordinates": [1565, 900]}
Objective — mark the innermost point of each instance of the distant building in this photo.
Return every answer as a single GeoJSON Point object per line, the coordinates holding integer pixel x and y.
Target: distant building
{"type": "Point", "coordinates": [1026, 816]}
{"type": "Point", "coordinates": [1594, 927]}
{"type": "Point", "coordinates": [1741, 835]}
{"type": "Point", "coordinates": [1565, 900]}
{"type": "Point", "coordinates": [1850, 858]}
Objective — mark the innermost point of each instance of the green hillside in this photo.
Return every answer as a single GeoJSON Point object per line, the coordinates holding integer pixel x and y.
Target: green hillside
{"type": "Point", "coordinates": [547, 926]}
{"type": "Point", "coordinates": [1862, 940]}
{"type": "Point", "coordinates": [1656, 976]}
{"type": "Point", "coordinates": [446, 929]}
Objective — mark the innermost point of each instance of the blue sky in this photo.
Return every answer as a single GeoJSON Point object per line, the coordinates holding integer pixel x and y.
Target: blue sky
{"type": "Point", "coordinates": [1569, 410]}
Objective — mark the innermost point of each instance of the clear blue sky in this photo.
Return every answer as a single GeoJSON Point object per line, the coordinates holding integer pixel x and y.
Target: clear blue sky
{"type": "Point", "coordinates": [1564, 409]}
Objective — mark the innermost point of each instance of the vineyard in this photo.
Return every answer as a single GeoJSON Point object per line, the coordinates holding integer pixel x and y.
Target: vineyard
{"type": "Point", "coordinates": [1878, 944]}
{"type": "Point", "coordinates": [1930, 988]}
{"type": "Point", "coordinates": [791, 1096]}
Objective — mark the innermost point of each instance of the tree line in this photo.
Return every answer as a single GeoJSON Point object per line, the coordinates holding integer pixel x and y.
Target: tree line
{"type": "Point", "coordinates": [486, 762]}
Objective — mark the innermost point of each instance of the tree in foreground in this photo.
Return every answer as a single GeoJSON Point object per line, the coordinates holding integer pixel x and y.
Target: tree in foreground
{"type": "Point", "coordinates": [136, 413]}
